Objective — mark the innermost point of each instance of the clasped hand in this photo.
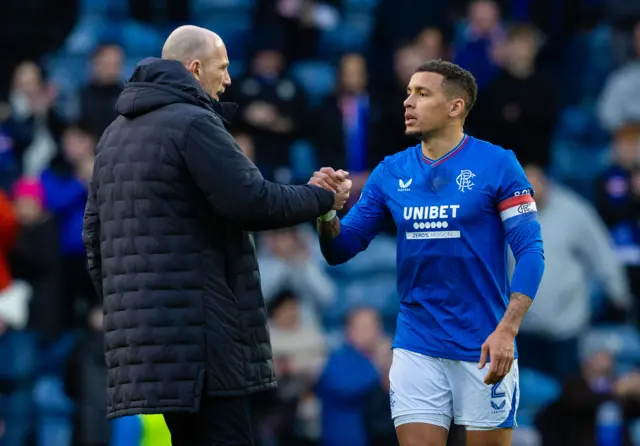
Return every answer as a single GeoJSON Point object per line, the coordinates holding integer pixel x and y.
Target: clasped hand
{"type": "Point", "coordinates": [334, 181]}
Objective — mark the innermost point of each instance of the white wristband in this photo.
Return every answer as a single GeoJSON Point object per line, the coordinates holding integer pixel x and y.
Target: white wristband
{"type": "Point", "coordinates": [328, 216]}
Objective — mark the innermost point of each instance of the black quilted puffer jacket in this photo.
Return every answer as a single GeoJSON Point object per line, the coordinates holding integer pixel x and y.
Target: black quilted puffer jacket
{"type": "Point", "coordinates": [166, 230]}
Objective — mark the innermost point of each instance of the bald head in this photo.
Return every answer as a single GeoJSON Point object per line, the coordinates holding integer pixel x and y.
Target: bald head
{"type": "Point", "coordinates": [190, 42]}
{"type": "Point", "coordinates": [203, 53]}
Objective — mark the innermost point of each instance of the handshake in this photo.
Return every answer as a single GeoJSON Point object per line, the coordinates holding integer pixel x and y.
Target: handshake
{"type": "Point", "coordinates": [333, 181]}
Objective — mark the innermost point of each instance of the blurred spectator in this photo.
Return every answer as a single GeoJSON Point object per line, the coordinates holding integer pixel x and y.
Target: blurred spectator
{"type": "Point", "coordinates": [347, 379]}
{"type": "Point", "coordinates": [572, 418]}
{"type": "Point", "coordinates": [273, 107]}
{"type": "Point", "coordinates": [431, 44]}
{"type": "Point", "coordinates": [618, 201]}
{"type": "Point", "coordinates": [98, 98]}
{"type": "Point", "coordinates": [482, 34]}
{"type": "Point", "coordinates": [398, 22]}
{"type": "Point", "coordinates": [343, 138]}
{"type": "Point", "coordinates": [298, 23]}
{"type": "Point", "coordinates": [17, 350]}
{"type": "Point", "coordinates": [299, 354]}
{"type": "Point", "coordinates": [578, 251]}
{"type": "Point", "coordinates": [286, 263]}
{"type": "Point", "coordinates": [519, 108]}
{"type": "Point", "coordinates": [377, 417]}
{"type": "Point", "coordinates": [65, 185]}
{"type": "Point", "coordinates": [619, 102]}
{"type": "Point", "coordinates": [33, 116]}
{"type": "Point", "coordinates": [35, 259]}
{"type": "Point", "coordinates": [387, 114]}
{"type": "Point", "coordinates": [85, 384]}
{"type": "Point", "coordinates": [302, 346]}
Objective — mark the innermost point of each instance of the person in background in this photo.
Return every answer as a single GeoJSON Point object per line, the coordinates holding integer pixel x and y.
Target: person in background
{"type": "Point", "coordinates": [483, 33]}
{"type": "Point", "coordinates": [386, 117]}
{"type": "Point", "coordinates": [85, 384]}
{"type": "Point", "coordinates": [18, 352]}
{"type": "Point", "coordinates": [298, 22]}
{"type": "Point", "coordinates": [349, 375]}
{"type": "Point", "coordinates": [273, 107]}
{"type": "Point", "coordinates": [65, 186]}
{"type": "Point", "coordinates": [619, 102]}
{"type": "Point", "coordinates": [377, 416]}
{"type": "Point", "coordinates": [98, 98]}
{"type": "Point", "coordinates": [286, 263]}
{"type": "Point", "coordinates": [618, 201]}
{"type": "Point", "coordinates": [431, 44]}
{"type": "Point", "coordinates": [578, 251]}
{"type": "Point", "coordinates": [34, 119]}
{"type": "Point", "coordinates": [518, 109]}
{"type": "Point", "coordinates": [299, 354]}
{"type": "Point", "coordinates": [343, 138]}
{"type": "Point", "coordinates": [572, 419]}
{"type": "Point", "coordinates": [35, 258]}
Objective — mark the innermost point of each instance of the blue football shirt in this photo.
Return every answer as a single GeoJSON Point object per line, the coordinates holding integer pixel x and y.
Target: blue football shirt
{"type": "Point", "coordinates": [452, 215]}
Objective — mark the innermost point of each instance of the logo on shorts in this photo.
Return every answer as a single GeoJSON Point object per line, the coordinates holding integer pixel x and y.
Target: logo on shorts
{"type": "Point", "coordinates": [496, 396]}
{"type": "Point", "coordinates": [392, 400]}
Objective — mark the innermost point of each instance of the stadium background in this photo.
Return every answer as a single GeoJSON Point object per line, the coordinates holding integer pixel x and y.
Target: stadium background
{"type": "Point", "coordinates": [321, 82]}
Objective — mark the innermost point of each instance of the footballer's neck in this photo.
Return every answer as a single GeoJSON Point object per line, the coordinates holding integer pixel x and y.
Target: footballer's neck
{"type": "Point", "coordinates": [438, 143]}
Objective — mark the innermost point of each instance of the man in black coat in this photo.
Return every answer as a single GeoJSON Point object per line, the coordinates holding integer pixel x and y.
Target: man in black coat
{"type": "Point", "coordinates": [170, 207]}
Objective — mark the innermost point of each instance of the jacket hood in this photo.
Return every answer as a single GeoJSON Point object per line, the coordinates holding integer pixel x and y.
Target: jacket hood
{"type": "Point", "coordinates": [156, 83]}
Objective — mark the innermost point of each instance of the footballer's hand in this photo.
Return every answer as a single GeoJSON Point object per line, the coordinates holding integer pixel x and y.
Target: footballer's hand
{"type": "Point", "coordinates": [499, 346]}
{"type": "Point", "coordinates": [328, 179]}
{"type": "Point", "coordinates": [342, 195]}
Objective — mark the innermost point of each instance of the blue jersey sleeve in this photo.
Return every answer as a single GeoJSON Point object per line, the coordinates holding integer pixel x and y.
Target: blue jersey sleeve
{"type": "Point", "coordinates": [361, 224]}
{"type": "Point", "coordinates": [519, 215]}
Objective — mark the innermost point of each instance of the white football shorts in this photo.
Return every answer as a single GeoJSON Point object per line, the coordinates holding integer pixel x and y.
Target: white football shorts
{"type": "Point", "coordinates": [436, 391]}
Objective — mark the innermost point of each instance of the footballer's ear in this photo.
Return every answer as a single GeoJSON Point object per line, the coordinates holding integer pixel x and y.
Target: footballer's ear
{"type": "Point", "coordinates": [456, 107]}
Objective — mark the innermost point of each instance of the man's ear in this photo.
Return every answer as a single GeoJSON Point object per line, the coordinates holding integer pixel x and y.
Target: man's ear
{"type": "Point", "coordinates": [195, 67]}
{"type": "Point", "coordinates": [456, 108]}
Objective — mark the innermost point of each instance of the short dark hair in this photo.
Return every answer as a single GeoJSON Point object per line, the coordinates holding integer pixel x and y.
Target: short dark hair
{"type": "Point", "coordinates": [456, 82]}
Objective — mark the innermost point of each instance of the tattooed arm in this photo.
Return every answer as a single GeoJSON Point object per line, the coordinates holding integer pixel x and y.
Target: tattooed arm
{"type": "Point", "coordinates": [518, 306]}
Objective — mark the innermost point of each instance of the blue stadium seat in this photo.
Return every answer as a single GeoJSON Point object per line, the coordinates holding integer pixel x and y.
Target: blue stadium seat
{"type": "Point", "coordinates": [86, 35]}
{"type": "Point", "coordinates": [622, 341]}
{"type": "Point", "coordinates": [129, 65]}
{"type": "Point", "coordinates": [67, 71]}
{"type": "Point", "coordinates": [379, 258]}
{"type": "Point", "coordinates": [303, 159]}
{"type": "Point", "coordinates": [140, 40]}
{"type": "Point", "coordinates": [231, 26]}
{"type": "Point", "coordinates": [536, 391]}
{"type": "Point", "coordinates": [105, 8]}
{"type": "Point", "coordinates": [353, 34]}
{"type": "Point", "coordinates": [360, 5]}
{"type": "Point", "coordinates": [236, 69]}
{"type": "Point", "coordinates": [317, 78]}
{"type": "Point", "coordinates": [375, 291]}
{"type": "Point", "coordinates": [198, 7]}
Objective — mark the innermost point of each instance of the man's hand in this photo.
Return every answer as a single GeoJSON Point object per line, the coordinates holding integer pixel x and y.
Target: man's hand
{"type": "Point", "coordinates": [499, 346]}
{"type": "Point", "coordinates": [328, 179]}
{"type": "Point", "coordinates": [342, 195]}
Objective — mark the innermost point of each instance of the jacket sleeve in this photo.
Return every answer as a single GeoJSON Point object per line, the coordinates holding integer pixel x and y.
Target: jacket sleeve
{"type": "Point", "coordinates": [91, 238]}
{"type": "Point", "coordinates": [236, 188]}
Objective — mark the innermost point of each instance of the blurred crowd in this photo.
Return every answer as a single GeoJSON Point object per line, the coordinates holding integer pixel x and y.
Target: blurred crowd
{"type": "Point", "coordinates": [321, 82]}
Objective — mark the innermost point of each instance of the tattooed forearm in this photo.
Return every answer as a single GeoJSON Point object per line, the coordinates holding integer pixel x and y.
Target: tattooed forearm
{"type": "Point", "coordinates": [517, 308]}
{"type": "Point", "coordinates": [328, 230]}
